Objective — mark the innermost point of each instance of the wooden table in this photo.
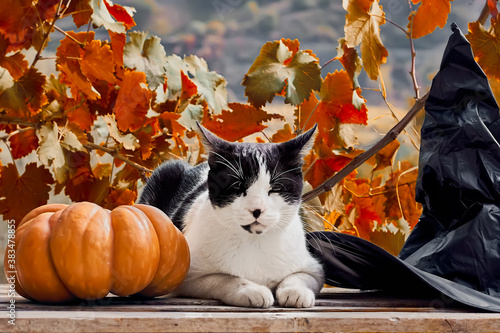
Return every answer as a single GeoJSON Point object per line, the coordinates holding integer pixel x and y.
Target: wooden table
{"type": "Point", "coordinates": [336, 310]}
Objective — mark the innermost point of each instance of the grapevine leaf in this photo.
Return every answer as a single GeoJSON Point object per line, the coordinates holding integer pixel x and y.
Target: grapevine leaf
{"type": "Point", "coordinates": [146, 55]}
{"type": "Point", "coordinates": [97, 62]}
{"type": "Point", "coordinates": [21, 193]}
{"type": "Point", "coordinates": [191, 114]}
{"type": "Point", "coordinates": [15, 63]}
{"type": "Point", "coordinates": [486, 47]}
{"type": "Point", "coordinates": [81, 11]}
{"type": "Point", "coordinates": [283, 134]}
{"type": "Point", "coordinates": [84, 186]}
{"type": "Point", "coordinates": [348, 57]}
{"type": "Point", "coordinates": [50, 151]}
{"type": "Point", "coordinates": [211, 86]}
{"type": "Point", "coordinates": [70, 141]}
{"type": "Point", "coordinates": [363, 21]}
{"type": "Point", "coordinates": [78, 113]}
{"type": "Point", "coordinates": [430, 14]}
{"type": "Point", "coordinates": [118, 46]}
{"type": "Point", "coordinates": [385, 156]}
{"type": "Point", "coordinates": [121, 14]}
{"type": "Point", "coordinates": [26, 95]}
{"type": "Point", "coordinates": [170, 121]}
{"type": "Point", "coordinates": [277, 69]}
{"type": "Point", "coordinates": [19, 23]}
{"type": "Point", "coordinates": [242, 121]}
{"type": "Point", "coordinates": [102, 170]}
{"type": "Point", "coordinates": [102, 17]}
{"type": "Point", "coordinates": [23, 143]}
{"type": "Point", "coordinates": [132, 103]}
{"type": "Point", "coordinates": [362, 206]}
{"type": "Point", "coordinates": [129, 141]}
{"type": "Point", "coordinates": [119, 197]}
{"type": "Point", "coordinates": [492, 6]}
{"type": "Point", "coordinates": [189, 90]}
{"type": "Point", "coordinates": [173, 67]}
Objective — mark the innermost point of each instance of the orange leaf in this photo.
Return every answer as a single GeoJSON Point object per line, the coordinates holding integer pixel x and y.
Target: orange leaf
{"type": "Point", "coordinates": [23, 143]}
{"type": "Point", "coordinates": [492, 6]}
{"type": "Point", "coordinates": [22, 193]}
{"type": "Point", "coordinates": [84, 186]}
{"type": "Point", "coordinates": [145, 144]}
{"type": "Point", "coordinates": [170, 121]}
{"type": "Point", "coordinates": [486, 48]}
{"type": "Point", "coordinates": [385, 156]}
{"type": "Point", "coordinates": [242, 121]}
{"type": "Point", "coordinates": [132, 102]}
{"type": "Point", "coordinates": [118, 197]}
{"type": "Point", "coordinates": [117, 45]}
{"type": "Point", "coordinates": [283, 134]}
{"type": "Point", "coordinates": [79, 114]}
{"type": "Point", "coordinates": [19, 20]}
{"type": "Point", "coordinates": [362, 204]}
{"type": "Point", "coordinates": [430, 14]}
{"type": "Point", "coordinates": [80, 10]}
{"type": "Point", "coordinates": [15, 64]}
{"type": "Point", "coordinates": [97, 62]}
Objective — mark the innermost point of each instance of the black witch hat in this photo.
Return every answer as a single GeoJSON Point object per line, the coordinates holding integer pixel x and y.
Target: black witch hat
{"type": "Point", "coordinates": [455, 247]}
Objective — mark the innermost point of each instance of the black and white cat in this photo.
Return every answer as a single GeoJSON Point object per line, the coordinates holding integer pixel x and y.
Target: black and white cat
{"type": "Point", "coordinates": [239, 214]}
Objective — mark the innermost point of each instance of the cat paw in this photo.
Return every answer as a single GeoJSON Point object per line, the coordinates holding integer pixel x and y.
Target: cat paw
{"type": "Point", "coordinates": [253, 295]}
{"type": "Point", "coordinates": [291, 297]}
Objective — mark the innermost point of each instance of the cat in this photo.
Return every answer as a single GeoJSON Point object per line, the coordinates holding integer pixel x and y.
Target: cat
{"type": "Point", "coordinates": [239, 212]}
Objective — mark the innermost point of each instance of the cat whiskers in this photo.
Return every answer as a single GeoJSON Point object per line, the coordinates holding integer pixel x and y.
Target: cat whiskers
{"type": "Point", "coordinates": [238, 172]}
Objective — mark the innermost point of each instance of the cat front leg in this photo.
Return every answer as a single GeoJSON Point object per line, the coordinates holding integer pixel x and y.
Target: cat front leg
{"type": "Point", "coordinates": [298, 290]}
{"type": "Point", "coordinates": [229, 289]}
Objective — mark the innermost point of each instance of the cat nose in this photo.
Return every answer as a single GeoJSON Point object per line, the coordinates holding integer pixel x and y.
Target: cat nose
{"type": "Point", "coordinates": [256, 213]}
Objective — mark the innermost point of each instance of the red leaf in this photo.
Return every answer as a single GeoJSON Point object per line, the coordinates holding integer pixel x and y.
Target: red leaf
{"type": "Point", "coordinates": [23, 143]}
{"type": "Point", "coordinates": [120, 14]}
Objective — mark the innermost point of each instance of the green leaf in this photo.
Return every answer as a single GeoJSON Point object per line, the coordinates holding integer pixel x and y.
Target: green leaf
{"type": "Point", "coordinates": [277, 69]}
{"type": "Point", "coordinates": [146, 55]}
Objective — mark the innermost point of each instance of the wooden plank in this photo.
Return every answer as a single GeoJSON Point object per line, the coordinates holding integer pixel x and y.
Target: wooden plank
{"type": "Point", "coordinates": [85, 321]}
{"type": "Point", "coordinates": [336, 310]}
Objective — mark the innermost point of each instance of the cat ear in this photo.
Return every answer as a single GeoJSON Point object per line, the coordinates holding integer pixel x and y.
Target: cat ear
{"type": "Point", "coordinates": [300, 145]}
{"type": "Point", "coordinates": [211, 141]}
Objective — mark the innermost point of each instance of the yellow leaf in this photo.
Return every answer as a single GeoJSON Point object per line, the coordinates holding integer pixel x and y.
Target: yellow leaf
{"type": "Point", "coordinates": [363, 21]}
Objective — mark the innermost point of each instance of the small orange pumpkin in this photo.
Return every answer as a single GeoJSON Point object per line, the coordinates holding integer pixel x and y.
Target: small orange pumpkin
{"type": "Point", "coordinates": [84, 251]}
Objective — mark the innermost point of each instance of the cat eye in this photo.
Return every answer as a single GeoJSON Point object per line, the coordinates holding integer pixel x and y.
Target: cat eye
{"type": "Point", "coordinates": [276, 188]}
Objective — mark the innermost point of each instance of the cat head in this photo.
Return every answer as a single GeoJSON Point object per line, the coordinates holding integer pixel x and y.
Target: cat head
{"type": "Point", "coordinates": [255, 187]}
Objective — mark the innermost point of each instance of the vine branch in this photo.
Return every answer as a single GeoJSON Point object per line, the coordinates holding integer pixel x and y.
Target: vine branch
{"type": "Point", "coordinates": [360, 159]}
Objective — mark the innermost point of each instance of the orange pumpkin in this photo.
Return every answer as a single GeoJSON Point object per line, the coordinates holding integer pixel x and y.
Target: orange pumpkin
{"type": "Point", "coordinates": [84, 251]}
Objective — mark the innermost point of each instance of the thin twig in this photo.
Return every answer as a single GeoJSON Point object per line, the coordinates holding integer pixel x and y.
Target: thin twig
{"type": "Point", "coordinates": [413, 73]}
{"type": "Point", "coordinates": [46, 35]}
{"type": "Point", "coordinates": [485, 12]}
{"type": "Point", "coordinates": [115, 154]}
{"type": "Point", "coordinates": [69, 36]}
{"type": "Point", "coordinates": [360, 159]}
{"type": "Point", "coordinates": [18, 121]}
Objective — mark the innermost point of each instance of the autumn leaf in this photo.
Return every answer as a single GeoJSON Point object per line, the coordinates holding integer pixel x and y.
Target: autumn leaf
{"type": "Point", "coordinates": [98, 62]}
{"type": "Point", "coordinates": [21, 193]}
{"type": "Point", "coordinates": [79, 113]}
{"type": "Point", "coordinates": [348, 57]}
{"type": "Point", "coordinates": [430, 15]}
{"type": "Point", "coordinates": [146, 55]}
{"type": "Point", "coordinates": [128, 141]}
{"type": "Point", "coordinates": [363, 21]}
{"type": "Point", "coordinates": [84, 186]}
{"type": "Point", "coordinates": [277, 69]}
{"type": "Point", "coordinates": [26, 95]}
{"type": "Point", "coordinates": [118, 197]}
{"type": "Point", "coordinates": [173, 67]}
{"type": "Point", "coordinates": [121, 14]}
{"type": "Point", "coordinates": [118, 46]}
{"type": "Point", "coordinates": [50, 151]}
{"type": "Point", "coordinates": [23, 143]}
{"type": "Point", "coordinates": [284, 134]}
{"type": "Point", "coordinates": [19, 21]}
{"type": "Point", "coordinates": [188, 92]}
{"type": "Point", "coordinates": [132, 103]}
{"type": "Point", "coordinates": [80, 11]}
{"type": "Point", "coordinates": [242, 121]}
{"type": "Point", "coordinates": [492, 6]}
{"type": "Point", "coordinates": [102, 17]}
{"type": "Point", "coordinates": [14, 63]}
{"type": "Point", "coordinates": [385, 157]}
{"type": "Point", "coordinates": [363, 207]}
{"type": "Point", "coordinates": [211, 86]}
{"type": "Point", "coordinates": [102, 170]}
{"type": "Point", "coordinates": [486, 47]}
